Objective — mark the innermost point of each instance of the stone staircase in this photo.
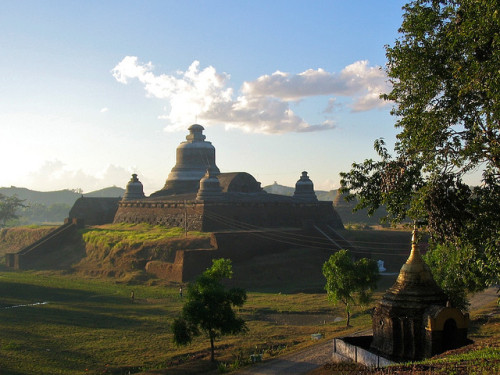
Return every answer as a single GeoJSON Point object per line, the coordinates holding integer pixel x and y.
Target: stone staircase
{"type": "Point", "coordinates": [30, 256]}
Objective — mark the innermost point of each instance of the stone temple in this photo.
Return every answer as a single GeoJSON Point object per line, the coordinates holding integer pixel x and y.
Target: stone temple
{"type": "Point", "coordinates": [197, 196]}
{"type": "Point", "coordinates": [245, 221]}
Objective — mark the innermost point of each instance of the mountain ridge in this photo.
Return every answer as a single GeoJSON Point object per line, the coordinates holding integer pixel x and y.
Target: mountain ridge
{"type": "Point", "coordinates": [65, 196]}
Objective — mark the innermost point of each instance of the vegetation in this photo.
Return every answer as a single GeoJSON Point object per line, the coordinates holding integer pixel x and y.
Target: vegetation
{"type": "Point", "coordinates": [124, 234]}
{"type": "Point", "coordinates": [123, 250]}
{"type": "Point", "coordinates": [38, 213]}
{"type": "Point", "coordinates": [51, 206]}
{"type": "Point", "coordinates": [209, 307]}
{"type": "Point", "coordinates": [92, 326]}
{"type": "Point", "coordinates": [445, 77]}
{"type": "Point", "coordinates": [350, 282]}
{"type": "Point", "coordinates": [8, 208]}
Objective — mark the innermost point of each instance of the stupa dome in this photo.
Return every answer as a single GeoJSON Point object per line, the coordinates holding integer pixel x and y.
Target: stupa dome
{"type": "Point", "coordinates": [134, 189]}
{"type": "Point", "coordinates": [304, 189]}
{"type": "Point", "coordinates": [210, 188]}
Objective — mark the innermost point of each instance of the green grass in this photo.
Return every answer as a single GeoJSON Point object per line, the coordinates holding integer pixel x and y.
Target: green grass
{"type": "Point", "coordinates": [92, 326]}
{"type": "Point", "coordinates": [123, 234]}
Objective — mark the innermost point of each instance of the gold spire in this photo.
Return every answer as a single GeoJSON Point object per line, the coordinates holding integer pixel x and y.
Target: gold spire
{"type": "Point", "coordinates": [415, 256]}
{"type": "Point", "coordinates": [414, 270]}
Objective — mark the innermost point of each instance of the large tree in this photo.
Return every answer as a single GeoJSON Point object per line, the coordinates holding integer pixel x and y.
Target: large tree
{"type": "Point", "coordinates": [445, 75]}
{"type": "Point", "coordinates": [8, 208]}
{"type": "Point", "coordinates": [209, 307]}
{"type": "Point", "coordinates": [350, 282]}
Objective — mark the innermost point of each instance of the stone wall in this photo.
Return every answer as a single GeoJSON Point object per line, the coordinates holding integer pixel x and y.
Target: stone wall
{"type": "Point", "coordinates": [215, 216]}
{"type": "Point", "coordinates": [353, 349]}
{"type": "Point", "coordinates": [169, 214]}
{"type": "Point", "coordinates": [237, 246]}
{"type": "Point", "coordinates": [94, 211]}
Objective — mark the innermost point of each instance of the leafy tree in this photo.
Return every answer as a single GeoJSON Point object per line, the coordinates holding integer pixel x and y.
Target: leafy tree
{"type": "Point", "coordinates": [350, 282]}
{"type": "Point", "coordinates": [8, 208]}
{"type": "Point", "coordinates": [209, 307]}
{"type": "Point", "coordinates": [445, 75]}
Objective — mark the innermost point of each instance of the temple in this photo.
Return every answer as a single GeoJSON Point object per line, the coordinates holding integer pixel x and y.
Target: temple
{"type": "Point", "coordinates": [197, 196]}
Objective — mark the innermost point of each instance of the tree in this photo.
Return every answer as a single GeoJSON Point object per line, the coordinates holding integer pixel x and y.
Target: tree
{"type": "Point", "coordinates": [445, 75]}
{"type": "Point", "coordinates": [8, 208]}
{"type": "Point", "coordinates": [350, 282]}
{"type": "Point", "coordinates": [209, 307]}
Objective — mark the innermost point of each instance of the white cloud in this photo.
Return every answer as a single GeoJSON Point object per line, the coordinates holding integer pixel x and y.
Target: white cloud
{"type": "Point", "coordinates": [357, 80]}
{"type": "Point", "coordinates": [54, 175]}
{"type": "Point", "coordinates": [103, 110]}
{"type": "Point", "coordinates": [263, 106]}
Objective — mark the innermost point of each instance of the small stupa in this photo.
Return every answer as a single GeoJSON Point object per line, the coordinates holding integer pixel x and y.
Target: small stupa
{"type": "Point", "coordinates": [134, 189]}
{"type": "Point", "coordinates": [413, 320]}
{"type": "Point", "coordinates": [304, 189]}
{"type": "Point", "coordinates": [209, 187]}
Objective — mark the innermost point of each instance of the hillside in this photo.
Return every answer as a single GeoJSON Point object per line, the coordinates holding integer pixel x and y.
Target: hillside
{"type": "Point", "coordinates": [41, 197]}
{"type": "Point", "coordinates": [66, 196]}
{"type": "Point", "coordinates": [51, 207]}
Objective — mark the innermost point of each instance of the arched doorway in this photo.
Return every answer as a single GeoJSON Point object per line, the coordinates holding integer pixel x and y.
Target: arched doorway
{"type": "Point", "coordinates": [450, 336]}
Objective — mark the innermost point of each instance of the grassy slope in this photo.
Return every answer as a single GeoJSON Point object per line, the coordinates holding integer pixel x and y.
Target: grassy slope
{"type": "Point", "coordinates": [91, 325]}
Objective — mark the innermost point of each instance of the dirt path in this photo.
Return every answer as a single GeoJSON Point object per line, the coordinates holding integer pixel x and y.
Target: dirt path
{"type": "Point", "coordinates": [312, 357]}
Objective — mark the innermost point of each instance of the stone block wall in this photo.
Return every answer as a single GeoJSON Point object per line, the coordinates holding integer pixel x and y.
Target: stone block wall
{"type": "Point", "coordinates": [250, 215]}
{"type": "Point", "coordinates": [215, 216]}
{"type": "Point", "coordinates": [169, 214]}
{"type": "Point", "coordinates": [237, 246]}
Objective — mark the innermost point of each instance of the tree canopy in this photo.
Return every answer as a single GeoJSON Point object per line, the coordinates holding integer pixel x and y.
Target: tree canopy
{"type": "Point", "coordinates": [8, 208]}
{"type": "Point", "coordinates": [350, 282]}
{"type": "Point", "coordinates": [209, 307]}
{"type": "Point", "coordinates": [445, 75]}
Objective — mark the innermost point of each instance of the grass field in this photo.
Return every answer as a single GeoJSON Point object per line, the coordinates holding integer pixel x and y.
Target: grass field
{"type": "Point", "coordinates": [67, 323]}
{"type": "Point", "coordinates": [74, 325]}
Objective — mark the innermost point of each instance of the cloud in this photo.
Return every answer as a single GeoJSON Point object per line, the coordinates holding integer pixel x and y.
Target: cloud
{"type": "Point", "coordinates": [332, 105]}
{"type": "Point", "coordinates": [54, 175]}
{"type": "Point", "coordinates": [103, 110]}
{"type": "Point", "coordinates": [263, 105]}
{"type": "Point", "coordinates": [358, 80]}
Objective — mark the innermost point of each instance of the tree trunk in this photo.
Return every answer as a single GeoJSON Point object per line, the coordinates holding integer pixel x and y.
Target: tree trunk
{"type": "Point", "coordinates": [212, 348]}
{"type": "Point", "coordinates": [348, 315]}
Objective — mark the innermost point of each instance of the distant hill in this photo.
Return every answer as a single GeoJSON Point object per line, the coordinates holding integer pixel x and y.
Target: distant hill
{"type": "Point", "coordinates": [110, 192]}
{"type": "Point", "coordinates": [46, 198]}
{"type": "Point", "coordinates": [67, 197]}
{"type": "Point", "coordinates": [51, 207]}
{"type": "Point", "coordinates": [279, 189]}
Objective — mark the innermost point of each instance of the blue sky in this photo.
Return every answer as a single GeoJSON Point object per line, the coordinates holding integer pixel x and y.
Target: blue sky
{"type": "Point", "coordinates": [92, 91]}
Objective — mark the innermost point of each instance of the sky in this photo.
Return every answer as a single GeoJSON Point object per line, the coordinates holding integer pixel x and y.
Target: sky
{"type": "Point", "coordinates": [93, 91]}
